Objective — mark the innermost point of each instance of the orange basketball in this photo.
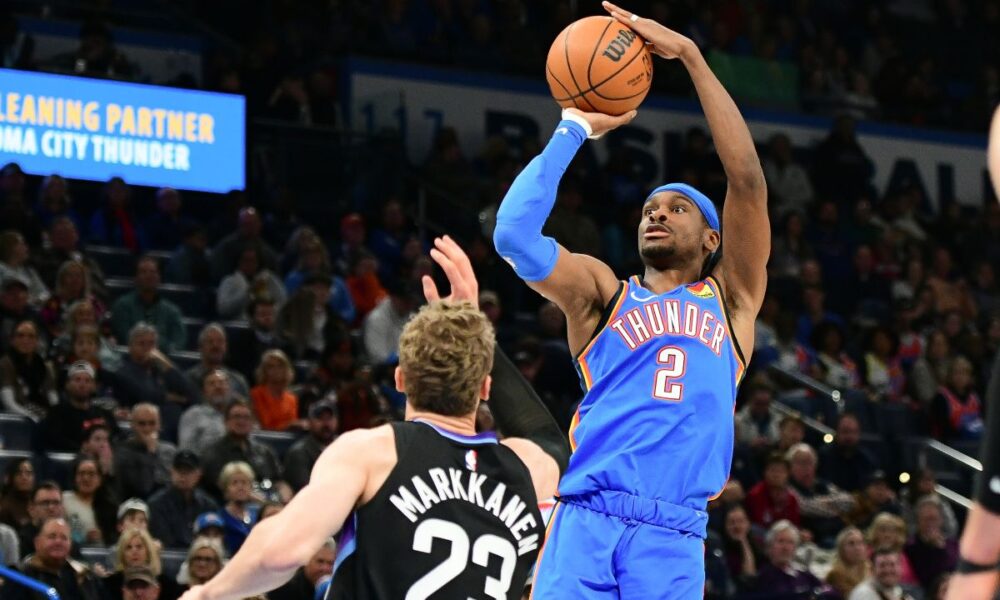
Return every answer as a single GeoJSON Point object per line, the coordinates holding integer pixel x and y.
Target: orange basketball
{"type": "Point", "coordinates": [599, 65]}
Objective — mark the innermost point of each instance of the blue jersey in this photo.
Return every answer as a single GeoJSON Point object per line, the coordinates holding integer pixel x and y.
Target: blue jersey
{"type": "Point", "coordinates": [660, 377]}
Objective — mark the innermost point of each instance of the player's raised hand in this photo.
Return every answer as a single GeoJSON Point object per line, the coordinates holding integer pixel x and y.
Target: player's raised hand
{"type": "Point", "coordinates": [456, 266]}
{"type": "Point", "coordinates": [662, 41]}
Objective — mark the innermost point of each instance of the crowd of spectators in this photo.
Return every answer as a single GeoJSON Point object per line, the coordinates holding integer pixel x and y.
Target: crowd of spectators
{"type": "Point", "coordinates": [869, 60]}
{"type": "Point", "coordinates": [890, 297]}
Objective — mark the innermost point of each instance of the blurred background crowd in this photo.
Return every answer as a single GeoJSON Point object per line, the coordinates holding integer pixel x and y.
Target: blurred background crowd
{"type": "Point", "coordinates": [172, 363]}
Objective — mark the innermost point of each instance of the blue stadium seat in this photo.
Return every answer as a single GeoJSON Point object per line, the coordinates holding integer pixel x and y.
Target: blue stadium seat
{"type": "Point", "coordinates": [279, 441]}
{"type": "Point", "coordinates": [115, 262]}
{"type": "Point", "coordinates": [171, 561]}
{"type": "Point", "coordinates": [15, 432]}
{"type": "Point", "coordinates": [193, 328]}
{"type": "Point", "coordinates": [96, 555]}
{"type": "Point", "coordinates": [184, 359]}
{"type": "Point", "coordinates": [56, 466]}
{"type": "Point", "coordinates": [194, 302]}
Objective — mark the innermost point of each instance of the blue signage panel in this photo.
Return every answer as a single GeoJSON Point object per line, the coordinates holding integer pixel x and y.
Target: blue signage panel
{"type": "Point", "coordinates": [148, 135]}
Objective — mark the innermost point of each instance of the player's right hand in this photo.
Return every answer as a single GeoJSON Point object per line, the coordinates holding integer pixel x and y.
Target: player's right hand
{"type": "Point", "coordinates": [601, 123]}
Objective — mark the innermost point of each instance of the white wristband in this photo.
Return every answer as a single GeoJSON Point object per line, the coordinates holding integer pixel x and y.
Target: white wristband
{"type": "Point", "coordinates": [568, 116]}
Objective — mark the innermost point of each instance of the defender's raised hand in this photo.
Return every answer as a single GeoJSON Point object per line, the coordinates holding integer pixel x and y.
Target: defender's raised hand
{"type": "Point", "coordinates": [456, 266]}
{"type": "Point", "coordinates": [662, 41]}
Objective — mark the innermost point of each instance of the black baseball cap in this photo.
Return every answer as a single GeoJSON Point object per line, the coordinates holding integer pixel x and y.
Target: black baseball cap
{"type": "Point", "coordinates": [185, 460]}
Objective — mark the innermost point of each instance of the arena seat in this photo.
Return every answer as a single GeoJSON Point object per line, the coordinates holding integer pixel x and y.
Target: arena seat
{"type": "Point", "coordinates": [15, 432]}
{"type": "Point", "coordinates": [57, 466]}
{"type": "Point", "coordinates": [184, 359]}
{"type": "Point", "coordinates": [115, 262]}
{"type": "Point", "coordinates": [99, 555]}
{"type": "Point", "coordinates": [171, 561]}
{"type": "Point", "coordinates": [279, 441]}
{"type": "Point", "coordinates": [196, 303]}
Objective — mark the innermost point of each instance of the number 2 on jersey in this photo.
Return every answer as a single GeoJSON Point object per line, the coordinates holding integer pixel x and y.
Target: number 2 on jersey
{"type": "Point", "coordinates": [458, 558]}
{"type": "Point", "coordinates": [673, 363]}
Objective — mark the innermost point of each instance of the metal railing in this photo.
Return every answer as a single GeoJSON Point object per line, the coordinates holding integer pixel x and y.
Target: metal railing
{"type": "Point", "coordinates": [926, 447]}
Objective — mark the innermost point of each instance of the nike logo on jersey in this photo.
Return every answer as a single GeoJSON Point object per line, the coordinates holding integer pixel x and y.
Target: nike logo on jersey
{"type": "Point", "coordinates": [562, 130]}
{"type": "Point", "coordinates": [995, 485]}
{"type": "Point", "coordinates": [638, 299]}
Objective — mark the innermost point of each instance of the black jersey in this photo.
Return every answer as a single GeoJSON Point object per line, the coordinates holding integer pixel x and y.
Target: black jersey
{"type": "Point", "coordinates": [456, 518]}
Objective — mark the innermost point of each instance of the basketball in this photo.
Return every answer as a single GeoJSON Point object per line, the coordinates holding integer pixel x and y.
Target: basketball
{"type": "Point", "coordinates": [597, 64]}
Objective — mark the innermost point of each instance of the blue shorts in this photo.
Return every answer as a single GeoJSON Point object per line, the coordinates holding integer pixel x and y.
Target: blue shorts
{"type": "Point", "coordinates": [614, 545]}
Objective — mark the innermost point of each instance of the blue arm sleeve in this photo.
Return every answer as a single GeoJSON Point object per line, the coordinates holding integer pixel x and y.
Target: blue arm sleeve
{"type": "Point", "coordinates": [518, 234]}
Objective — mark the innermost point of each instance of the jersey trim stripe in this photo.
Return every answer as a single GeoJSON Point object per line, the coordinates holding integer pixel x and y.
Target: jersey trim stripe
{"type": "Point", "coordinates": [573, 424]}
{"type": "Point", "coordinates": [581, 360]}
{"type": "Point", "coordinates": [479, 438]}
{"type": "Point", "coordinates": [348, 541]}
{"type": "Point", "coordinates": [740, 362]}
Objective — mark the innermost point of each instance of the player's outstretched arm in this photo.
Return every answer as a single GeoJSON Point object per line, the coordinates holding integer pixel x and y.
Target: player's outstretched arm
{"type": "Point", "coordinates": [993, 153]}
{"type": "Point", "coordinates": [279, 545]}
{"type": "Point", "coordinates": [580, 285]}
{"type": "Point", "coordinates": [746, 233]}
{"type": "Point", "coordinates": [530, 430]}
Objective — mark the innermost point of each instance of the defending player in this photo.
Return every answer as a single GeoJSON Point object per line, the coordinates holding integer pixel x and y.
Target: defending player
{"type": "Point", "coordinates": [979, 551]}
{"type": "Point", "coordinates": [438, 511]}
{"type": "Point", "coordinates": [659, 355]}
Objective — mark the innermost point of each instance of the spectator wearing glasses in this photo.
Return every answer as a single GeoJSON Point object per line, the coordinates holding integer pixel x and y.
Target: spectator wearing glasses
{"type": "Point", "coordinates": [204, 561]}
{"type": "Point", "coordinates": [90, 509]}
{"type": "Point", "coordinates": [46, 503]}
{"type": "Point", "coordinates": [142, 462]}
{"type": "Point", "coordinates": [236, 445]}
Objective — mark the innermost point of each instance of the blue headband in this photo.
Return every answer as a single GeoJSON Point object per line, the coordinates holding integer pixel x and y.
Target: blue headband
{"type": "Point", "coordinates": [705, 205]}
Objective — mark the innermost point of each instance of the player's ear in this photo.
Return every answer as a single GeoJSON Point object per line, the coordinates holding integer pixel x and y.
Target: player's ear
{"type": "Point", "coordinates": [400, 380]}
{"type": "Point", "coordinates": [711, 239]}
{"type": "Point", "coordinates": [484, 389]}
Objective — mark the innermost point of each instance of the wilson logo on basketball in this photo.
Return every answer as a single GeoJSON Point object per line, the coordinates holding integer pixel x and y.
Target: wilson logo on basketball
{"type": "Point", "coordinates": [616, 49]}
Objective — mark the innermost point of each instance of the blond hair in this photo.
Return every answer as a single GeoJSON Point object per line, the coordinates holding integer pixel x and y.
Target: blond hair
{"type": "Point", "coordinates": [887, 520]}
{"type": "Point", "coordinates": [233, 468]}
{"type": "Point", "coordinates": [274, 356]}
{"type": "Point", "coordinates": [445, 353]}
{"type": "Point", "coordinates": [152, 552]}
{"type": "Point", "coordinates": [200, 543]}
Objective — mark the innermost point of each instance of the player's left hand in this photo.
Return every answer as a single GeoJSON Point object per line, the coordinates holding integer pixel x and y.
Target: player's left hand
{"type": "Point", "coordinates": [662, 41]}
{"type": "Point", "coordinates": [456, 266]}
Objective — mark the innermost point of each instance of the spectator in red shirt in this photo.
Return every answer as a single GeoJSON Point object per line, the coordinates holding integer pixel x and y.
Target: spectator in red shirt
{"type": "Point", "coordinates": [771, 500]}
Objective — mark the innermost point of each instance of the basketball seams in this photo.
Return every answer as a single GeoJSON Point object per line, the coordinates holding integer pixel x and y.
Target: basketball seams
{"type": "Point", "coordinates": [593, 55]}
{"type": "Point", "coordinates": [569, 96]}
{"type": "Point", "coordinates": [569, 65]}
{"type": "Point", "coordinates": [612, 76]}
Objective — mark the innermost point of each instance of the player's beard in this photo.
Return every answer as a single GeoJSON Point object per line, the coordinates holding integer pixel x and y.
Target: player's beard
{"type": "Point", "coordinates": [656, 253]}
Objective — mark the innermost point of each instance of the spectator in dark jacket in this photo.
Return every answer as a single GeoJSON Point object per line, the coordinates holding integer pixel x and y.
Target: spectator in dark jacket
{"type": "Point", "coordinates": [65, 426]}
{"type": "Point", "coordinates": [115, 224]}
{"type": "Point", "coordinates": [930, 552]}
{"type": "Point", "coordinates": [52, 566]}
{"type": "Point", "coordinates": [142, 462]}
{"type": "Point", "coordinates": [175, 508]}
{"type": "Point", "coordinates": [146, 375]}
{"type": "Point", "coordinates": [303, 584]}
{"type": "Point", "coordinates": [301, 457]}
{"type": "Point", "coordinates": [844, 463]}
{"type": "Point", "coordinates": [236, 446]}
